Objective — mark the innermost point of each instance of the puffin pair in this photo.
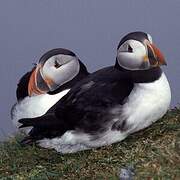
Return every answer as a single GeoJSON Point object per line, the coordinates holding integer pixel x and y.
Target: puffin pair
{"type": "Point", "coordinates": [52, 77]}
{"type": "Point", "coordinates": [109, 104]}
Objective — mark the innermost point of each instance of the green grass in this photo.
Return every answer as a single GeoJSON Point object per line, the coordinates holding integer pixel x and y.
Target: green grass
{"type": "Point", "coordinates": [154, 153]}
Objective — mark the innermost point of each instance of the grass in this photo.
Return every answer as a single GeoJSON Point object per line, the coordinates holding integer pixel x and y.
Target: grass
{"type": "Point", "coordinates": [154, 153]}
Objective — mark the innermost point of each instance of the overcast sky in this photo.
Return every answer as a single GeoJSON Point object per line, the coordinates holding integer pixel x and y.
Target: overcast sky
{"type": "Point", "coordinates": [91, 28]}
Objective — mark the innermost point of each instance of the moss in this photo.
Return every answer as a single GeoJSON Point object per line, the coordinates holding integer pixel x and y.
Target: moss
{"type": "Point", "coordinates": [153, 152]}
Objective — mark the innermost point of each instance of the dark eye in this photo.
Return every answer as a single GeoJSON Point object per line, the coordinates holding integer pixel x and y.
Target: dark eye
{"type": "Point", "coordinates": [130, 49]}
{"type": "Point", "coordinates": [56, 64]}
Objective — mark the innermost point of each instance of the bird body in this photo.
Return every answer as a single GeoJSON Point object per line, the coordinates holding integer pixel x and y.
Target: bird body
{"type": "Point", "coordinates": [93, 122]}
{"type": "Point", "coordinates": [38, 90]}
{"type": "Point", "coordinates": [109, 104]}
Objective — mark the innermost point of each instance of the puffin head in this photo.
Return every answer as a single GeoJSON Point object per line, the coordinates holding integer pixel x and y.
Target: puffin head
{"type": "Point", "coordinates": [136, 51]}
{"type": "Point", "coordinates": [55, 68]}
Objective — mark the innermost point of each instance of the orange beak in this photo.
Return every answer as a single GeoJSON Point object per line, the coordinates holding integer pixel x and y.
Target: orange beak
{"type": "Point", "coordinates": [37, 84]}
{"type": "Point", "coordinates": [159, 55]}
{"type": "Point", "coordinates": [156, 57]}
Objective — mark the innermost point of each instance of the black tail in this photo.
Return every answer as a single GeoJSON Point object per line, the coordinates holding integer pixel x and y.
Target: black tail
{"type": "Point", "coordinates": [47, 126]}
{"type": "Point", "coordinates": [47, 121]}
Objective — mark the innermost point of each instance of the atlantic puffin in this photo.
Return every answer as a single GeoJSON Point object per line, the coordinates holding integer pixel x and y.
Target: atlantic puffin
{"type": "Point", "coordinates": [51, 78]}
{"type": "Point", "coordinates": [108, 105]}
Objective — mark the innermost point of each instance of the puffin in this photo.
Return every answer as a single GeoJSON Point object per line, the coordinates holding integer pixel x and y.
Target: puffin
{"type": "Point", "coordinates": [57, 71]}
{"type": "Point", "coordinates": [109, 104]}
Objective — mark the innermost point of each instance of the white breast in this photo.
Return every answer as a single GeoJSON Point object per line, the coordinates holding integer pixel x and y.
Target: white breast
{"type": "Point", "coordinates": [147, 103]}
{"type": "Point", "coordinates": [35, 106]}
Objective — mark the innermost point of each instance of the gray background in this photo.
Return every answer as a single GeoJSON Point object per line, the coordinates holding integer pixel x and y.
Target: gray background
{"type": "Point", "coordinates": [91, 28]}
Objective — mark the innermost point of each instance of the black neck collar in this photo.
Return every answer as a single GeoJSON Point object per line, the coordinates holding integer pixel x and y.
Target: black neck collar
{"type": "Point", "coordinates": [141, 76]}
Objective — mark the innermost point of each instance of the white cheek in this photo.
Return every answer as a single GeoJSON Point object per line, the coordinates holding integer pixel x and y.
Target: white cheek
{"type": "Point", "coordinates": [129, 61]}
{"type": "Point", "coordinates": [48, 70]}
{"type": "Point", "coordinates": [134, 60]}
{"type": "Point", "coordinates": [66, 72]}
{"type": "Point", "coordinates": [62, 74]}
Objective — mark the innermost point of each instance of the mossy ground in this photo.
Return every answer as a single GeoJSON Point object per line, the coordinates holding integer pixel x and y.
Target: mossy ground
{"type": "Point", "coordinates": [154, 153]}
